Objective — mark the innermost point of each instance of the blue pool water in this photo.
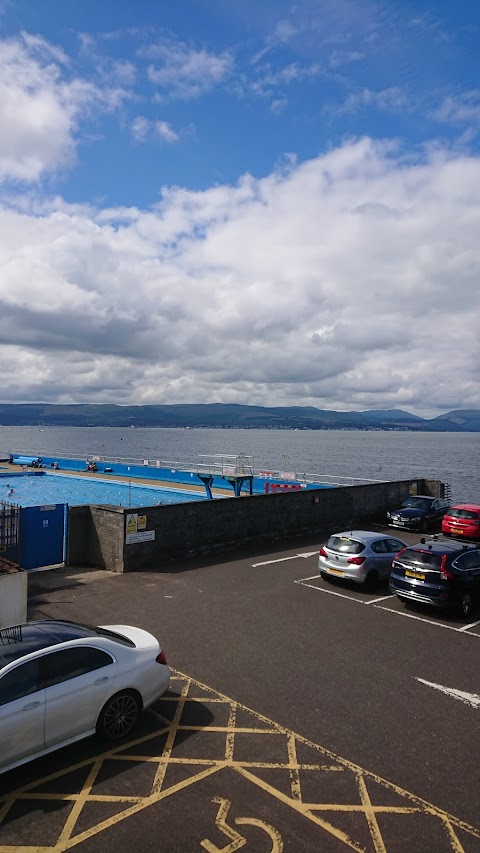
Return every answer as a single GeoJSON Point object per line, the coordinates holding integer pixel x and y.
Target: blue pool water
{"type": "Point", "coordinates": [38, 489]}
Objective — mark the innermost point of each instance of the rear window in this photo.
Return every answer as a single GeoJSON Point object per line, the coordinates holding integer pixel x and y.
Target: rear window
{"type": "Point", "coordinates": [345, 545]}
{"type": "Point", "coordinates": [420, 558]}
{"type": "Point", "coordinates": [463, 513]}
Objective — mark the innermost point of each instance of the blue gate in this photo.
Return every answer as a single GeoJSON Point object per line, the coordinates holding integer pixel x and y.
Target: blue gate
{"type": "Point", "coordinates": [42, 535]}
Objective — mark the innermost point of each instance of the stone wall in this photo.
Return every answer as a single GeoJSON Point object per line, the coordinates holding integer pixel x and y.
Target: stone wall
{"type": "Point", "coordinates": [98, 534]}
{"type": "Point", "coordinates": [96, 537]}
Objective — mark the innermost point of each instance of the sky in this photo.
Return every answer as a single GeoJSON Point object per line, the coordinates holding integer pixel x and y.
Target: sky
{"type": "Point", "coordinates": [251, 201]}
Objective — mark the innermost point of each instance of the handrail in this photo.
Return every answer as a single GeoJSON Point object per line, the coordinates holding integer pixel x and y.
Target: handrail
{"type": "Point", "coordinates": [224, 465]}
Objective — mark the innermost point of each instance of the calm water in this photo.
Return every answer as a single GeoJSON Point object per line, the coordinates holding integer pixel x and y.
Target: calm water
{"type": "Point", "coordinates": [58, 488]}
{"type": "Point", "coordinates": [451, 457]}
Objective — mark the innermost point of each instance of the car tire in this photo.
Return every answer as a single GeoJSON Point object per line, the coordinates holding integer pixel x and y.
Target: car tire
{"type": "Point", "coordinates": [119, 716]}
{"type": "Point", "coordinates": [466, 604]}
{"type": "Point", "coordinates": [325, 576]}
{"type": "Point", "coordinates": [424, 526]}
{"type": "Point", "coordinates": [372, 580]}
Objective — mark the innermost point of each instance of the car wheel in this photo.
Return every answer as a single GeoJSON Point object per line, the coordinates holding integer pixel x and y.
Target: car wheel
{"type": "Point", "coordinates": [119, 716]}
{"type": "Point", "coordinates": [324, 576]}
{"type": "Point", "coordinates": [466, 604]}
{"type": "Point", "coordinates": [424, 526]}
{"type": "Point", "coordinates": [371, 581]}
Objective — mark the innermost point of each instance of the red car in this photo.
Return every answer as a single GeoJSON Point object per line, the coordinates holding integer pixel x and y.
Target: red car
{"type": "Point", "coordinates": [462, 520]}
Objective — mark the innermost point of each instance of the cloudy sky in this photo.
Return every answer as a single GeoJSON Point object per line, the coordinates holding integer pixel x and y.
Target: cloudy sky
{"type": "Point", "coordinates": [251, 201]}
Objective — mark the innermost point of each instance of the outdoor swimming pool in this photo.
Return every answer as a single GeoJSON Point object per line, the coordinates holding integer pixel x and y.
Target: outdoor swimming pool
{"type": "Point", "coordinates": [41, 488]}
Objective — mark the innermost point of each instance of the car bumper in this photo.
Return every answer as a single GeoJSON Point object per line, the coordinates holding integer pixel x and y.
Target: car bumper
{"type": "Point", "coordinates": [406, 525]}
{"type": "Point", "coordinates": [356, 574]}
{"type": "Point", "coordinates": [440, 599]}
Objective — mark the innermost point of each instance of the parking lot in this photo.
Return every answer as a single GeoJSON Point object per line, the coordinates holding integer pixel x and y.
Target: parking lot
{"type": "Point", "coordinates": [303, 715]}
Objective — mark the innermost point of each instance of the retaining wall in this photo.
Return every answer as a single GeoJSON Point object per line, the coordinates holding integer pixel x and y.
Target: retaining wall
{"type": "Point", "coordinates": [98, 536]}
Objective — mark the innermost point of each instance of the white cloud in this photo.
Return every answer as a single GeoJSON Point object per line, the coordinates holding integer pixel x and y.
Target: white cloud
{"type": "Point", "coordinates": [349, 281]}
{"type": "Point", "coordinates": [40, 107]}
{"type": "Point", "coordinates": [165, 131]}
{"type": "Point", "coordinates": [461, 108]}
{"type": "Point", "coordinates": [140, 128]}
{"type": "Point", "coordinates": [143, 127]}
{"type": "Point", "coordinates": [391, 99]}
{"type": "Point", "coordinates": [181, 71]}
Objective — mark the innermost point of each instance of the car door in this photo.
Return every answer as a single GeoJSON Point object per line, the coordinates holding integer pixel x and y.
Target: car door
{"type": "Point", "coordinates": [383, 559]}
{"type": "Point", "coordinates": [22, 713]}
{"type": "Point", "coordinates": [77, 681]}
{"type": "Point", "coordinates": [394, 546]}
{"type": "Point", "coordinates": [468, 566]}
{"type": "Point", "coordinates": [437, 510]}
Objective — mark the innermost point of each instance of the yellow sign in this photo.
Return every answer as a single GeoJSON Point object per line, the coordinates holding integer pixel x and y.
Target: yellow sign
{"type": "Point", "coordinates": [132, 523]}
{"type": "Point", "coordinates": [142, 522]}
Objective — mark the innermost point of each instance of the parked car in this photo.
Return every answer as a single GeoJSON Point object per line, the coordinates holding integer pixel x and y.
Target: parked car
{"type": "Point", "coordinates": [418, 512]}
{"type": "Point", "coordinates": [462, 520]}
{"type": "Point", "coordinates": [442, 572]}
{"type": "Point", "coordinates": [61, 681]}
{"type": "Point", "coordinates": [359, 555]}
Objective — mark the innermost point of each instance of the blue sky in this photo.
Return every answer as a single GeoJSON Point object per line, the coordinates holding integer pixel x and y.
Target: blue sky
{"type": "Point", "coordinates": [267, 203]}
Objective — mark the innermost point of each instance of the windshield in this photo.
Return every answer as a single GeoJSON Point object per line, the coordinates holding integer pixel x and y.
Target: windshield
{"type": "Point", "coordinates": [417, 503]}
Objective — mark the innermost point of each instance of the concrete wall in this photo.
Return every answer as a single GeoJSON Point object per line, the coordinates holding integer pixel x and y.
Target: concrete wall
{"type": "Point", "coordinates": [98, 534]}
{"type": "Point", "coordinates": [13, 598]}
{"type": "Point", "coordinates": [96, 537]}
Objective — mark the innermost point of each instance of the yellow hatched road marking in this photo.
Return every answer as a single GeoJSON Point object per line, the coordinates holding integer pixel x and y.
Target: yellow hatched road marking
{"type": "Point", "coordinates": [293, 765]}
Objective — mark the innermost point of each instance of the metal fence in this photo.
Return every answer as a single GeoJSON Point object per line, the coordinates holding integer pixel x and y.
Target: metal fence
{"type": "Point", "coordinates": [9, 534]}
{"type": "Point", "coordinates": [226, 464]}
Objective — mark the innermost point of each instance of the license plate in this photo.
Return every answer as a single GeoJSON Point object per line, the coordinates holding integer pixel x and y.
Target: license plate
{"type": "Point", "coordinates": [456, 530]}
{"type": "Point", "coordinates": [419, 576]}
{"type": "Point", "coordinates": [335, 571]}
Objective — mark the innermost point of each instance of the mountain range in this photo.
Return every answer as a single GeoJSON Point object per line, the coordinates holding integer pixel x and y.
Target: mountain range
{"type": "Point", "coordinates": [232, 415]}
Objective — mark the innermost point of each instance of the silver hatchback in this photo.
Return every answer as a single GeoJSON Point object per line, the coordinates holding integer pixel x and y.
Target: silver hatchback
{"type": "Point", "coordinates": [360, 556]}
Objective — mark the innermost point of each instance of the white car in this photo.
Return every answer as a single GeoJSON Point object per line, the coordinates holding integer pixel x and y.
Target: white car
{"type": "Point", "coordinates": [61, 681]}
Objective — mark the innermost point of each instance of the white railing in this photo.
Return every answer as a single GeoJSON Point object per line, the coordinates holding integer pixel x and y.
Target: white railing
{"type": "Point", "coordinates": [226, 465]}
{"type": "Point", "coordinates": [222, 465]}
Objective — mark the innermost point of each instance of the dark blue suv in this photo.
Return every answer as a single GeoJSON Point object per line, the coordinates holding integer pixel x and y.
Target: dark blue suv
{"type": "Point", "coordinates": [443, 572]}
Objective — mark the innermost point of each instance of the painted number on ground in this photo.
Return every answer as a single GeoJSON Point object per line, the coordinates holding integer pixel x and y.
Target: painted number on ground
{"type": "Point", "coordinates": [237, 841]}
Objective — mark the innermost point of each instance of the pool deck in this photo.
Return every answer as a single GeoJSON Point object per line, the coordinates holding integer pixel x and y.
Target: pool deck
{"type": "Point", "coordinates": [7, 467]}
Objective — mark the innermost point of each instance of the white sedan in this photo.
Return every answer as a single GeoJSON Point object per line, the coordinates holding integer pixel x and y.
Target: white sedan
{"type": "Point", "coordinates": [61, 681]}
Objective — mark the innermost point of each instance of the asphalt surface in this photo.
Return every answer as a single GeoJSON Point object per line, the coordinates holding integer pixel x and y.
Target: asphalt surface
{"type": "Point", "coordinates": [295, 719]}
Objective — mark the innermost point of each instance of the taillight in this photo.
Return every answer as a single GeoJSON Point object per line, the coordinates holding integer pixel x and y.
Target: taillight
{"type": "Point", "coordinates": [161, 658]}
{"type": "Point", "coordinates": [357, 561]}
{"type": "Point", "coordinates": [323, 553]}
{"type": "Point", "coordinates": [444, 573]}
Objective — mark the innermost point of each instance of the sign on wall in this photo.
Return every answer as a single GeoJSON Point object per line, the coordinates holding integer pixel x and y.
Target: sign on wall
{"type": "Point", "coordinates": [142, 536]}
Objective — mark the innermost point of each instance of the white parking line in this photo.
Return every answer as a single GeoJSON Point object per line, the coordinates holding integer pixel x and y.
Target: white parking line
{"type": "Point", "coordinates": [422, 619]}
{"type": "Point", "coordinates": [463, 629]}
{"type": "Point", "coordinates": [284, 559]}
{"type": "Point", "coordinates": [329, 591]}
{"type": "Point", "coordinates": [374, 600]}
{"type": "Point", "coordinates": [472, 625]}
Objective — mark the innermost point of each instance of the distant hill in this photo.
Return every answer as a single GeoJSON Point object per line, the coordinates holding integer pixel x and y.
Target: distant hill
{"type": "Point", "coordinates": [467, 420]}
{"type": "Point", "coordinates": [232, 415]}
